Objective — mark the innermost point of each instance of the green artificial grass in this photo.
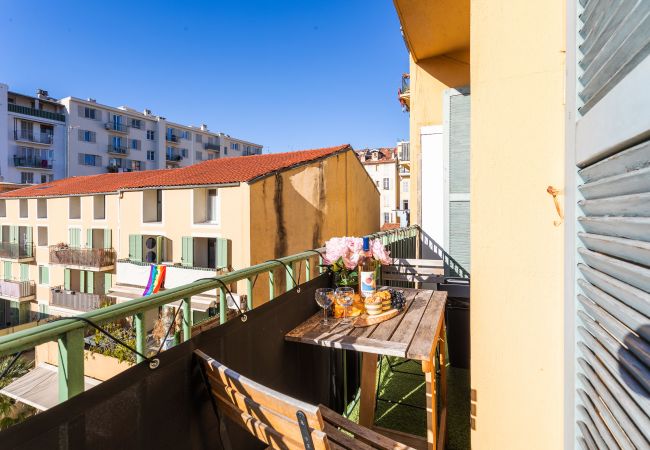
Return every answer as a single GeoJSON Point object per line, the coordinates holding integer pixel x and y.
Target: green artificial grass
{"type": "Point", "coordinates": [409, 388]}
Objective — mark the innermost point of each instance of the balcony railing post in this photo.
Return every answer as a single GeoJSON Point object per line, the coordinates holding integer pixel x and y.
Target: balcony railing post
{"type": "Point", "coordinates": [187, 319]}
{"type": "Point", "coordinates": [271, 285]}
{"type": "Point", "coordinates": [289, 277]}
{"type": "Point", "coordinates": [140, 336]}
{"type": "Point", "coordinates": [249, 293]}
{"type": "Point", "coordinates": [307, 269]}
{"type": "Point", "coordinates": [223, 303]}
{"type": "Point", "coordinates": [71, 364]}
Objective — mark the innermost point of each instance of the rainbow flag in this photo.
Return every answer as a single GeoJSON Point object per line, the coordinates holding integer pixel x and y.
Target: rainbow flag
{"type": "Point", "coordinates": [156, 279]}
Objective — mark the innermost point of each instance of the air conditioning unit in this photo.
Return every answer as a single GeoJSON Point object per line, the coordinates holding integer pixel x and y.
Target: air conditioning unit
{"type": "Point", "coordinates": [108, 126]}
{"type": "Point", "coordinates": [155, 249]}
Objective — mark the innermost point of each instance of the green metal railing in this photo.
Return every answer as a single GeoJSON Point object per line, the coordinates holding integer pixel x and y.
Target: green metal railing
{"type": "Point", "coordinates": [69, 333]}
{"type": "Point", "coordinates": [35, 112]}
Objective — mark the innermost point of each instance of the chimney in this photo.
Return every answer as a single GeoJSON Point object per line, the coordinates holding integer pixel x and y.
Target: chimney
{"type": "Point", "coordinates": [42, 93]}
{"type": "Point", "coordinates": [204, 127]}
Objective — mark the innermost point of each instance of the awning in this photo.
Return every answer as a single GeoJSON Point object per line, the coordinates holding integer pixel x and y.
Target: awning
{"type": "Point", "coordinates": [40, 387]}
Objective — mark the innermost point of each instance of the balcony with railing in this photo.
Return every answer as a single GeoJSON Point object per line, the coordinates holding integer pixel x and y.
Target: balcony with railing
{"type": "Point", "coordinates": [173, 138]}
{"type": "Point", "coordinates": [211, 146]}
{"type": "Point", "coordinates": [117, 150]}
{"type": "Point", "coordinates": [21, 291]}
{"type": "Point", "coordinates": [16, 251]}
{"type": "Point", "coordinates": [79, 301]}
{"type": "Point", "coordinates": [93, 259]}
{"type": "Point", "coordinates": [310, 373]}
{"type": "Point", "coordinates": [117, 127]}
{"type": "Point", "coordinates": [173, 157]}
{"type": "Point", "coordinates": [30, 162]}
{"type": "Point", "coordinates": [404, 92]}
{"type": "Point", "coordinates": [11, 107]}
{"type": "Point", "coordinates": [33, 137]}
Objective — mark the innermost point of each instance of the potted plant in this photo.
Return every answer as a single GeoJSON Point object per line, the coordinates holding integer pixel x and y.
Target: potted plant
{"type": "Point", "coordinates": [344, 254]}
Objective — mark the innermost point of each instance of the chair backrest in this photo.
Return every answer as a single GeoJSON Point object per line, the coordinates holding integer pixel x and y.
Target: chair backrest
{"type": "Point", "coordinates": [414, 270]}
{"type": "Point", "coordinates": [268, 415]}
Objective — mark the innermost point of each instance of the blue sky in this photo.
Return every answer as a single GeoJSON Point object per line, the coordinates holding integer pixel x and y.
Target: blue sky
{"type": "Point", "coordinates": [288, 75]}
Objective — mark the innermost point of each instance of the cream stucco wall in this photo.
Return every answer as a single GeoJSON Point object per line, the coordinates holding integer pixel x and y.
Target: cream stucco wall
{"type": "Point", "coordinates": [517, 141]}
{"type": "Point", "coordinates": [429, 80]}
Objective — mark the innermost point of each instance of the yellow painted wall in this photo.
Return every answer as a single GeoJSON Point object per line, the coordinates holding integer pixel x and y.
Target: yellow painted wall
{"type": "Point", "coordinates": [429, 80]}
{"type": "Point", "coordinates": [517, 144]}
{"type": "Point", "coordinates": [301, 208]}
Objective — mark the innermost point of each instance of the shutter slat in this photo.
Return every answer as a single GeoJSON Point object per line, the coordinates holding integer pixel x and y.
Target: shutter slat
{"type": "Point", "coordinates": [597, 420]}
{"type": "Point", "coordinates": [626, 227]}
{"type": "Point", "coordinates": [635, 182]}
{"type": "Point", "coordinates": [633, 158]}
{"type": "Point", "coordinates": [635, 205]}
{"type": "Point", "coordinates": [626, 249]}
{"type": "Point", "coordinates": [629, 273]}
{"type": "Point", "coordinates": [631, 296]}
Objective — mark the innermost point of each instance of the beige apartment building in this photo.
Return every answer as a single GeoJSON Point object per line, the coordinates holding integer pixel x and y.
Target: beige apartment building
{"type": "Point", "coordinates": [73, 244]}
{"type": "Point", "coordinates": [381, 165]}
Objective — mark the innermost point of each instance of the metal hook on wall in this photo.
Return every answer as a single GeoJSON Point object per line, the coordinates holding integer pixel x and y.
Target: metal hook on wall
{"type": "Point", "coordinates": [555, 192]}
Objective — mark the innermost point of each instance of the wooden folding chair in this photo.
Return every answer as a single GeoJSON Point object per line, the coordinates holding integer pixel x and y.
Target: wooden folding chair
{"type": "Point", "coordinates": [280, 421]}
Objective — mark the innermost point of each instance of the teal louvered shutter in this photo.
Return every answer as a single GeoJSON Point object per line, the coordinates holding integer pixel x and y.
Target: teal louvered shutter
{"type": "Point", "coordinates": [135, 247]}
{"type": "Point", "coordinates": [29, 241]}
{"type": "Point", "coordinates": [187, 251]}
{"type": "Point", "coordinates": [82, 281]}
{"type": "Point", "coordinates": [108, 238]}
{"type": "Point", "coordinates": [608, 109]}
{"type": "Point", "coordinates": [108, 281]}
{"type": "Point", "coordinates": [66, 279]}
{"type": "Point", "coordinates": [457, 133]}
{"type": "Point", "coordinates": [75, 237]}
{"type": "Point", "coordinates": [24, 272]}
{"type": "Point", "coordinates": [222, 253]}
{"type": "Point", "coordinates": [90, 282]}
{"type": "Point", "coordinates": [7, 270]}
{"type": "Point", "coordinates": [13, 234]}
{"type": "Point", "coordinates": [89, 238]}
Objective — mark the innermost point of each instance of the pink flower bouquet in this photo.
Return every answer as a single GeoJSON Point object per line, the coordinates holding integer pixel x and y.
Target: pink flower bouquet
{"type": "Point", "coordinates": [344, 254]}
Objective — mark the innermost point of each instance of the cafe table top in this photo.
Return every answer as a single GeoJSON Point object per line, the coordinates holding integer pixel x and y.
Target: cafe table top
{"type": "Point", "coordinates": [411, 334]}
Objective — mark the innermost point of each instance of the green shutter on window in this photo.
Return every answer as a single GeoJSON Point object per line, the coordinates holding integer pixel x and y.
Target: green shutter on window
{"type": "Point", "coordinates": [66, 279]}
{"type": "Point", "coordinates": [82, 281]}
{"type": "Point", "coordinates": [222, 253]}
{"type": "Point", "coordinates": [29, 240]}
{"type": "Point", "coordinates": [13, 234]}
{"type": "Point", "coordinates": [188, 251]}
{"type": "Point", "coordinates": [43, 275]}
{"type": "Point", "coordinates": [108, 238]}
{"type": "Point", "coordinates": [89, 238]}
{"type": "Point", "coordinates": [24, 272]}
{"type": "Point", "coordinates": [108, 281]}
{"type": "Point", "coordinates": [75, 237]}
{"type": "Point", "coordinates": [7, 269]}
{"type": "Point", "coordinates": [135, 247]}
{"type": "Point", "coordinates": [90, 282]}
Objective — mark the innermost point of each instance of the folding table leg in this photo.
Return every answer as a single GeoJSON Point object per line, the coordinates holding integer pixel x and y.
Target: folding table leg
{"type": "Point", "coordinates": [367, 400]}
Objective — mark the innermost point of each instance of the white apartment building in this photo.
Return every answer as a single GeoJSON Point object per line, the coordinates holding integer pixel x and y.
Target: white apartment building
{"type": "Point", "coordinates": [381, 165]}
{"type": "Point", "coordinates": [32, 137]}
{"type": "Point", "coordinates": [52, 139]}
{"type": "Point", "coordinates": [404, 172]}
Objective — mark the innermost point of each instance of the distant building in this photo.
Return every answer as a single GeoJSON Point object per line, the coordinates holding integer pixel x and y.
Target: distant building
{"type": "Point", "coordinates": [51, 139]}
{"type": "Point", "coordinates": [69, 244]}
{"type": "Point", "coordinates": [404, 172]}
{"type": "Point", "coordinates": [381, 165]}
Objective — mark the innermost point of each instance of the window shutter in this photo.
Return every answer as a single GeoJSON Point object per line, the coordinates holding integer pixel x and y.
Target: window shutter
{"type": "Point", "coordinates": [90, 282]}
{"type": "Point", "coordinates": [80, 110]}
{"type": "Point", "coordinates": [75, 237]}
{"type": "Point", "coordinates": [135, 247]}
{"type": "Point", "coordinates": [108, 238]}
{"type": "Point", "coordinates": [24, 272]}
{"type": "Point", "coordinates": [93, 136]}
{"type": "Point", "coordinates": [612, 151]}
{"type": "Point", "coordinates": [66, 279]}
{"type": "Point", "coordinates": [108, 281]}
{"type": "Point", "coordinates": [188, 251]}
{"type": "Point", "coordinates": [29, 241]}
{"type": "Point", "coordinates": [45, 275]}
{"type": "Point", "coordinates": [13, 234]}
{"type": "Point", "coordinates": [8, 275]}
{"type": "Point", "coordinates": [82, 281]}
{"type": "Point", "coordinates": [222, 253]}
{"type": "Point", "coordinates": [89, 238]}
{"type": "Point", "coordinates": [80, 135]}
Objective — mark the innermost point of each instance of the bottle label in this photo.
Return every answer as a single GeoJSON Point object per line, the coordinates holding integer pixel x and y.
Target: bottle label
{"type": "Point", "coordinates": [368, 284]}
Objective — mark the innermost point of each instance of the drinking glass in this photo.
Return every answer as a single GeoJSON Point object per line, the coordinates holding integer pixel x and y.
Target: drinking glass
{"type": "Point", "coordinates": [324, 298]}
{"type": "Point", "coordinates": [344, 296]}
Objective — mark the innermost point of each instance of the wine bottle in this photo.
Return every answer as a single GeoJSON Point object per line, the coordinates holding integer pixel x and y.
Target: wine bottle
{"type": "Point", "coordinates": [367, 272]}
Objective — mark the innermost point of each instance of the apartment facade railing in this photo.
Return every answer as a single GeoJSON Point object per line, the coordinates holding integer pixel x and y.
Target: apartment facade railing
{"type": "Point", "coordinates": [403, 243]}
{"type": "Point", "coordinates": [36, 138]}
{"type": "Point", "coordinates": [82, 257]}
{"type": "Point", "coordinates": [114, 126]}
{"type": "Point", "coordinates": [211, 146]}
{"type": "Point", "coordinates": [173, 138]}
{"type": "Point", "coordinates": [32, 163]}
{"type": "Point", "coordinates": [117, 150]}
{"type": "Point", "coordinates": [79, 301]}
{"type": "Point", "coordinates": [35, 112]}
{"type": "Point", "coordinates": [14, 250]}
{"type": "Point", "coordinates": [17, 290]}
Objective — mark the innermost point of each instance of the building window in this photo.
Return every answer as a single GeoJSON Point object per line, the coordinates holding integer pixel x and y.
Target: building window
{"type": "Point", "coordinates": [136, 144]}
{"type": "Point", "coordinates": [199, 156]}
{"type": "Point", "coordinates": [3, 208]}
{"type": "Point", "coordinates": [198, 138]}
{"type": "Point", "coordinates": [99, 207]}
{"type": "Point", "coordinates": [74, 208]}
{"type": "Point", "coordinates": [206, 206]}
{"type": "Point", "coordinates": [186, 135]}
{"type": "Point", "coordinates": [87, 136]}
{"type": "Point", "coordinates": [27, 177]}
{"type": "Point", "coordinates": [377, 183]}
{"type": "Point", "coordinates": [405, 205]}
{"type": "Point", "coordinates": [41, 236]}
{"type": "Point", "coordinates": [386, 217]}
{"type": "Point", "coordinates": [89, 160]}
{"type": "Point", "coordinates": [41, 208]}
{"type": "Point", "coordinates": [151, 135]}
{"type": "Point", "coordinates": [212, 156]}
{"type": "Point", "coordinates": [151, 155]}
{"type": "Point", "coordinates": [90, 113]}
{"type": "Point", "coordinates": [405, 186]}
{"type": "Point", "coordinates": [43, 275]}
{"type": "Point", "coordinates": [136, 123]}
{"type": "Point", "coordinates": [386, 183]}
{"type": "Point", "coordinates": [234, 146]}
{"type": "Point", "coordinates": [152, 205]}
{"type": "Point", "coordinates": [212, 206]}
{"type": "Point", "coordinates": [43, 179]}
{"type": "Point", "coordinates": [24, 208]}
{"type": "Point", "coordinates": [136, 165]}
{"type": "Point", "coordinates": [184, 152]}
{"type": "Point", "coordinates": [225, 150]}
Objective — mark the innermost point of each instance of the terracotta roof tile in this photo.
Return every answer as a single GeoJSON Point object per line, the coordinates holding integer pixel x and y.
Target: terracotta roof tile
{"type": "Point", "coordinates": [215, 171]}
